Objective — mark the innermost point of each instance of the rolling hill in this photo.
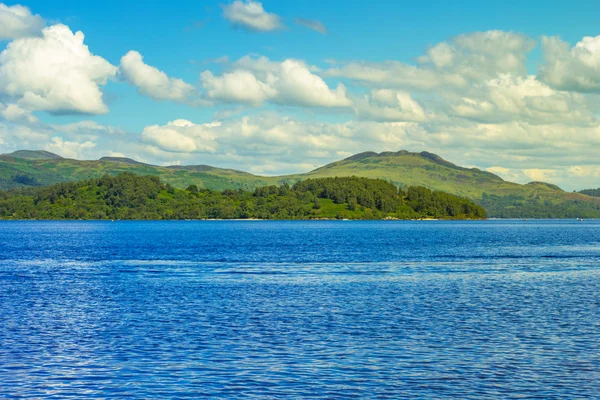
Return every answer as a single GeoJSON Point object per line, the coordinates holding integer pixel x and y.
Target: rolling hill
{"type": "Point", "coordinates": [501, 198]}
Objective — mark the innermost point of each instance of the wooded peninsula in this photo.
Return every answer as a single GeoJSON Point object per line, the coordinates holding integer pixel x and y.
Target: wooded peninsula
{"type": "Point", "coordinates": [132, 197]}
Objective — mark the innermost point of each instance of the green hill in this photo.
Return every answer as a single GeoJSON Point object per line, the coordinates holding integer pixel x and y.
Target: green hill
{"type": "Point", "coordinates": [34, 155]}
{"type": "Point", "coordinates": [17, 171]}
{"type": "Point", "coordinates": [501, 198]}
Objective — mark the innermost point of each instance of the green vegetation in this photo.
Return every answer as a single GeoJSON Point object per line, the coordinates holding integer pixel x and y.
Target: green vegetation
{"type": "Point", "coordinates": [128, 196]}
{"type": "Point", "coordinates": [403, 169]}
{"type": "Point", "coordinates": [48, 171]}
{"type": "Point", "coordinates": [591, 192]}
{"type": "Point", "coordinates": [537, 206]}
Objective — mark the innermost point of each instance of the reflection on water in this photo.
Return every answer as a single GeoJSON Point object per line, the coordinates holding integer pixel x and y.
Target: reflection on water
{"type": "Point", "coordinates": [313, 310]}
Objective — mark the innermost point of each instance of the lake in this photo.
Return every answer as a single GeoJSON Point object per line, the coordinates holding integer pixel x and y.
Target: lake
{"type": "Point", "coordinates": [321, 309]}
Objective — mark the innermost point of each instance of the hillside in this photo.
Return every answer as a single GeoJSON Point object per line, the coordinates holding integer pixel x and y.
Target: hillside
{"type": "Point", "coordinates": [591, 192]}
{"type": "Point", "coordinates": [16, 171]}
{"type": "Point", "coordinates": [129, 196]}
{"type": "Point", "coordinates": [34, 155]}
{"type": "Point", "coordinates": [501, 198]}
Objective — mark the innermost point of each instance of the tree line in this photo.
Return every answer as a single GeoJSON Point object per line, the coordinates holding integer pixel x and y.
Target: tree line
{"type": "Point", "coordinates": [129, 196]}
{"type": "Point", "coordinates": [591, 192]}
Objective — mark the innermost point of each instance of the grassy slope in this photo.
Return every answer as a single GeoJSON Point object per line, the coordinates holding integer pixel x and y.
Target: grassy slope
{"type": "Point", "coordinates": [424, 169]}
{"type": "Point", "coordinates": [51, 171]}
{"type": "Point", "coordinates": [402, 168]}
{"type": "Point", "coordinates": [412, 169]}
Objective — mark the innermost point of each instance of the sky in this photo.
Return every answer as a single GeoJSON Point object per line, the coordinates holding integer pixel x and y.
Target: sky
{"type": "Point", "coordinates": [285, 86]}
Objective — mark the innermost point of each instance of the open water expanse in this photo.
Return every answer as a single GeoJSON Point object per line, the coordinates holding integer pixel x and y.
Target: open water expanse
{"type": "Point", "coordinates": [322, 309]}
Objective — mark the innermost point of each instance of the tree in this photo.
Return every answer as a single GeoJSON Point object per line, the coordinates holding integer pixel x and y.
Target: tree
{"type": "Point", "coordinates": [192, 189]}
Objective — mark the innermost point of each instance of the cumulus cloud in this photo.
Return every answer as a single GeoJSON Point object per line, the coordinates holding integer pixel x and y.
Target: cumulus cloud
{"type": "Point", "coordinates": [465, 59]}
{"type": "Point", "coordinates": [389, 105]}
{"type": "Point", "coordinates": [181, 136]}
{"type": "Point", "coordinates": [273, 143]}
{"type": "Point", "coordinates": [510, 98]}
{"type": "Point", "coordinates": [18, 21]}
{"type": "Point", "coordinates": [315, 25]}
{"type": "Point", "coordinates": [290, 82]}
{"type": "Point", "coordinates": [69, 149]}
{"type": "Point", "coordinates": [395, 74]}
{"type": "Point", "coordinates": [238, 86]}
{"type": "Point", "coordinates": [88, 130]}
{"type": "Point", "coordinates": [55, 73]}
{"type": "Point", "coordinates": [153, 82]}
{"type": "Point", "coordinates": [17, 136]}
{"type": "Point", "coordinates": [15, 113]}
{"type": "Point", "coordinates": [572, 69]}
{"type": "Point", "coordinates": [481, 55]}
{"type": "Point", "coordinates": [251, 15]}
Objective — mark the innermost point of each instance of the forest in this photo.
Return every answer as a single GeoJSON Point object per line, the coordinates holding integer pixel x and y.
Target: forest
{"type": "Point", "coordinates": [132, 197]}
{"type": "Point", "coordinates": [591, 192]}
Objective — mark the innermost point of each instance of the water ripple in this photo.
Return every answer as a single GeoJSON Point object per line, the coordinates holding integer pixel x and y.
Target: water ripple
{"type": "Point", "coordinates": [81, 316]}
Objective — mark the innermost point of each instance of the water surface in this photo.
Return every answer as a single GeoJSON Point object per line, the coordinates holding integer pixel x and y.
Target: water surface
{"type": "Point", "coordinates": [256, 309]}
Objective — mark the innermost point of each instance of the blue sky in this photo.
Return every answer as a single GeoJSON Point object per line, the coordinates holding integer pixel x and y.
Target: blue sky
{"type": "Point", "coordinates": [508, 86]}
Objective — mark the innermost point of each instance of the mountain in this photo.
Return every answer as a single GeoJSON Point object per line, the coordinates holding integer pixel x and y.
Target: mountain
{"type": "Point", "coordinates": [123, 160]}
{"type": "Point", "coordinates": [501, 198]}
{"type": "Point", "coordinates": [412, 169]}
{"type": "Point", "coordinates": [33, 155]}
{"type": "Point", "coordinates": [18, 171]}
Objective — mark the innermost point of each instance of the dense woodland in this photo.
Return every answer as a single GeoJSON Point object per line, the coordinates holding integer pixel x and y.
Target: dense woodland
{"type": "Point", "coordinates": [128, 196]}
{"type": "Point", "coordinates": [591, 192]}
{"type": "Point", "coordinates": [515, 206]}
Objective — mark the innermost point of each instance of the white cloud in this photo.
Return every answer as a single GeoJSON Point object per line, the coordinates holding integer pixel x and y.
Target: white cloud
{"type": "Point", "coordinates": [389, 105]}
{"type": "Point", "coordinates": [88, 130]}
{"type": "Point", "coordinates": [69, 149]}
{"type": "Point", "coordinates": [315, 25]}
{"type": "Point", "coordinates": [16, 137]}
{"type": "Point", "coordinates": [273, 143]}
{"type": "Point", "coordinates": [260, 66]}
{"type": "Point", "coordinates": [238, 86]}
{"type": "Point", "coordinates": [55, 73]}
{"type": "Point", "coordinates": [17, 21]}
{"type": "Point", "coordinates": [585, 171]}
{"type": "Point", "coordinates": [573, 69]}
{"type": "Point", "coordinates": [290, 82]}
{"type": "Point", "coordinates": [251, 15]}
{"type": "Point", "coordinates": [481, 55]}
{"type": "Point", "coordinates": [181, 136]}
{"type": "Point", "coordinates": [510, 98]}
{"type": "Point", "coordinates": [540, 175]}
{"type": "Point", "coordinates": [152, 82]}
{"type": "Point", "coordinates": [395, 74]}
{"type": "Point", "coordinates": [15, 113]}
{"type": "Point", "coordinates": [505, 173]}
{"type": "Point", "coordinates": [465, 59]}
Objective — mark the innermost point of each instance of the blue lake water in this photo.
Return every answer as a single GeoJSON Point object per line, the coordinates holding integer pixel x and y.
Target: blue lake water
{"type": "Point", "coordinates": [255, 309]}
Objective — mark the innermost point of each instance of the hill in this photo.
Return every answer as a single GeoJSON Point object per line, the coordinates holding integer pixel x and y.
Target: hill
{"type": "Point", "coordinates": [17, 171]}
{"type": "Point", "coordinates": [33, 155]}
{"type": "Point", "coordinates": [501, 198]}
{"type": "Point", "coordinates": [129, 196]}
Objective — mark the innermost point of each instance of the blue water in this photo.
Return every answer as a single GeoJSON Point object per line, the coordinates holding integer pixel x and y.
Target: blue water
{"type": "Point", "coordinates": [300, 309]}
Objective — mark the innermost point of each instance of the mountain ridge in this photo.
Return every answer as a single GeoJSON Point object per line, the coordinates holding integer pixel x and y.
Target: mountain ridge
{"type": "Point", "coordinates": [33, 155]}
